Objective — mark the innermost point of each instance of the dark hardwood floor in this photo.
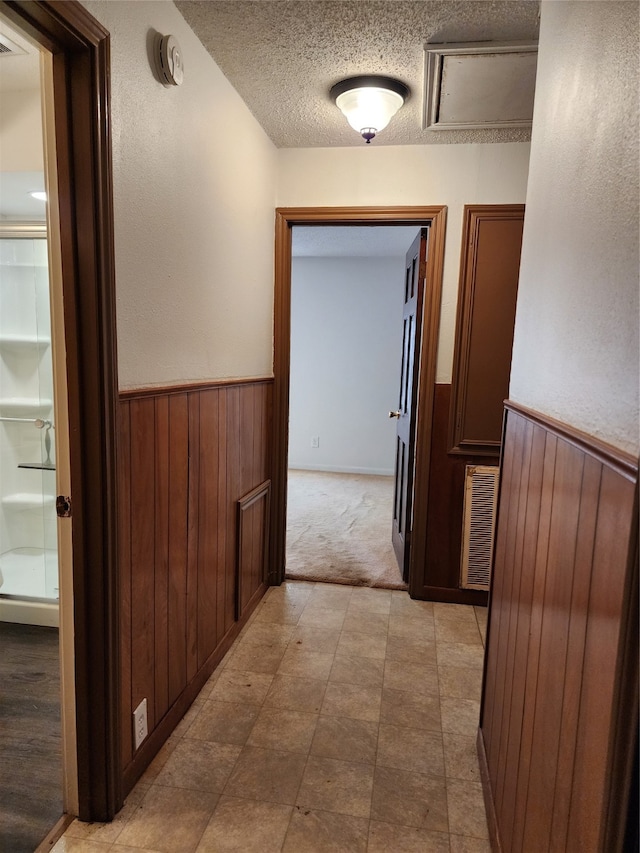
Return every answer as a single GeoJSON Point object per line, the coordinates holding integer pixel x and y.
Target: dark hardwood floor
{"type": "Point", "coordinates": [30, 742]}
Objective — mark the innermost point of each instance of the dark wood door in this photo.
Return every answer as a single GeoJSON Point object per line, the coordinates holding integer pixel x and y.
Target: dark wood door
{"type": "Point", "coordinates": [414, 286]}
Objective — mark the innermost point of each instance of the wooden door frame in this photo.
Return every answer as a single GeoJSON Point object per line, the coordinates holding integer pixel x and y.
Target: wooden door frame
{"type": "Point", "coordinates": [286, 217]}
{"type": "Point", "coordinates": [80, 49]}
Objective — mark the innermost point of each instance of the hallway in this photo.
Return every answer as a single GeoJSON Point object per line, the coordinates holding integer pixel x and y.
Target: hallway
{"type": "Point", "coordinates": [342, 719]}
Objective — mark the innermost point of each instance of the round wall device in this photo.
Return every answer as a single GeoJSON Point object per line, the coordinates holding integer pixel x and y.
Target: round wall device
{"type": "Point", "coordinates": [170, 61]}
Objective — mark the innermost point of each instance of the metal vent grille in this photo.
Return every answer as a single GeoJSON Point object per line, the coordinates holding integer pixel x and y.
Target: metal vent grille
{"type": "Point", "coordinates": [480, 501]}
{"type": "Point", "coordinates": [8, 47]}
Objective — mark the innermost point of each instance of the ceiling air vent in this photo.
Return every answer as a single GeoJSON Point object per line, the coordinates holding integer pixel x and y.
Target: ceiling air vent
{"type": "Point", "coordinates": [8, 47]}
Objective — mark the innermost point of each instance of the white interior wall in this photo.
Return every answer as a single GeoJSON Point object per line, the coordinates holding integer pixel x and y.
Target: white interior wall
{"type": "Point", "coordinates": [346, 339]}
{"type": "Point", "coordinates": [453, 175]}
{"type": "Point", "coordinates": [20, 129]}
{"type": "Point", "coordinates": [575, 354]}
{"type": "Point", "coordinates": [194, 189]}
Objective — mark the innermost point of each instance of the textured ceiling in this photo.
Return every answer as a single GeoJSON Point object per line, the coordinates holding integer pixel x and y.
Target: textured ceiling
{"type": "Point", "coordinates": [283, 56]}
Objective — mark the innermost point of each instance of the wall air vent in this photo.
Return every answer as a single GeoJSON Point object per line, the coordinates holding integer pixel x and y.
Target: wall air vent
{"type": "Point", "coordinates": [8, 47]}
{"type": "Point", "coordinates": [480, 502]}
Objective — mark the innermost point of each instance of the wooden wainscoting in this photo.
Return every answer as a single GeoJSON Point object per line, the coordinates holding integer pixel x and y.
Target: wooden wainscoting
{"type": "Point", "coordinates": [189, 458]}
{"type": "Point", "coordinates": [440, 576]}
{"type": "Point", "coordinates": [558, 730]}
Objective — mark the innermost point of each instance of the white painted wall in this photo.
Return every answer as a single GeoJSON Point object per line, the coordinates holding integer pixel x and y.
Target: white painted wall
{"type": "Point", "coordinates": [194, 190]}
{"type": "Point", "coordinates": [575, 351]}
{"type": "Point", "coordinates": [346, 340]}
{"type": "Point", "coordinates": [453, 175]}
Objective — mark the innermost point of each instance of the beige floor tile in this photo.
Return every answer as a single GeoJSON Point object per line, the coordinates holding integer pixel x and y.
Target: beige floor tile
{"type": "Point", "coordinates": [387, 837]}
{"type": "Point", "coordinates": [225, 722]}
{"type": "Point", "coordinates": [199, 765]}
{"type": "Point", "coordinates": [68, 844]}
{"type": "Point", "coordinates": [345, 739]}
{"type": "Point", "coordinates": [481, 616]}
{"type": "Point", "coordinates": [410, 677]}
{"type": "Point", "coordinates": [413, 799]}
{"type": "Point", "coordinates": [315, 640]}
{"type": "Point", "coordinates": [296, 694]}
{"type": "Point", "coordinates": [160, 760]}
{"type": "Point", "coordinates": [263, 658]}
{"type": "Point", "coordinates": [258, 633]}
{"type": "Point", "coordinates": [122, 848]}
{"type": "Point", "coordinates": [467, 844]}
{"type": "Point", "coordinates": [421, 628]}
{"type": "Point", "coordinates": [281, 612]}
{"type": "Point", "coordinates": [461, 757]}
{"type": "Point", "coordinates": [245, 826]}
{"type": "Point", "coordinates": [460, 682]}
{"type": "Point", "coordinates": [410, 749]}
{"type": "Point", "coordinates": [452, 612]}
{"type": "Point", "coordinates": [415, 710]}
{"type": "Point", "coordinates": [460, 716]}
{"type": "Point", "coordinates": [368, 600]}
{"type": "Point", "coordinates": [336, 786]}
{"type": "Point", "coordinates": [170, 820]}
{"type": "Point", "coordinates": [325, 832]}
{"type": "Point", "coordinates": [352, 700]}
{"type": "Point", "coordinates": [331, 596]}
{"type": "Point", "coordinates": [189, 718]}
{"type": "Point", "coordinates": [291, 731]}
{"type": "Point", "coordinates": [460, 654]}
{"type": "Point", "coordinates": [466, 809]}
{"type": "Point", "coordinates": [361, 645]}
{"type": "Point", "coordinates": [322, 617]}
{"type": "Point", "coordinates": [418, 650]}
{"type": "Point", "coordinates": [241, 687]}
{"type": "Point", "coordinates": [458, 632]}
{"type": "Point", "coordinates": [267, 775]}
{"type": "Point", "coordinates": [104, 832]}
{"type": "Point", "coordinates": [305, 664]}
{"type": "Point", "coordinates": [359, 622]}
{"type": "Point", "coordinates": [412, 607]}
{"type": "Point", "coordinates": [356, 670]}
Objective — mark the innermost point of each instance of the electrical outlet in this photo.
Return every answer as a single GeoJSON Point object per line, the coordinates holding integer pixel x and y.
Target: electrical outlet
{"type": "Point", "coordinates": [140, 728]}
{"type": "Point", "coordinates": [315, 441]}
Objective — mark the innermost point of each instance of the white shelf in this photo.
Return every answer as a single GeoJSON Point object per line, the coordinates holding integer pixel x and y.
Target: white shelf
{"type": "Point", "coordinates": [22, 343]}
{"type": "Point", "coordinates": [24, 407]}
{"type": "Point", "coordinates": [27, 500]}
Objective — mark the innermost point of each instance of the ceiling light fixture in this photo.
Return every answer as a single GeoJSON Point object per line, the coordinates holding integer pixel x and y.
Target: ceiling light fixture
{"type": "Point", "coordinates": [369, 102]}
{"type": "Point", "coordinates": [38, 194]}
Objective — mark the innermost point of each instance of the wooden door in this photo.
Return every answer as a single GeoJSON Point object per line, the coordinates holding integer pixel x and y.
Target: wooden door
{"type": "Point", "coordinates": [414, 287]}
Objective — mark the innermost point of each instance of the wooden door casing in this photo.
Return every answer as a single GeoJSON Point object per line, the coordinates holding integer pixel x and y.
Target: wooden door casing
{"type": "Point", "coordinates": [414, 286]}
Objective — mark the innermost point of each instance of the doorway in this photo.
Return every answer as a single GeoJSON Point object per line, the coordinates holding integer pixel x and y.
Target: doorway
{"type": "Point", "coordinates": [347, 288]}
{"type": "Point", "coordinates": [80, 222]}
{"type": "Point", "coordinates": [286, 220]}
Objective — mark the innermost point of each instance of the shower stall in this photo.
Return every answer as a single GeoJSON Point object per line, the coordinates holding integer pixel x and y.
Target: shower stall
{"type": "Point", "coordinates": [28, 521]}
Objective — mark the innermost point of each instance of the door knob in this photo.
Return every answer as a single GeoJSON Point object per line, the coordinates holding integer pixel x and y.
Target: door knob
{"type": "Point", "coordinates": [394, 414]}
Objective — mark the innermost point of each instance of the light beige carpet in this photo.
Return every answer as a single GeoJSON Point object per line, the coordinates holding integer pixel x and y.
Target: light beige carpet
{"type": "Point", "coordinates": [339, 529]}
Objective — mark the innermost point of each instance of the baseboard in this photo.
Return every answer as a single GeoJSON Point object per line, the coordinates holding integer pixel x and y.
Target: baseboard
{"type": "Point", "coordinates": [55, 833]}
{"type": "Point", "coordinates": [337, 469]}
{"type": "Point", "coordinates": [492, 822]}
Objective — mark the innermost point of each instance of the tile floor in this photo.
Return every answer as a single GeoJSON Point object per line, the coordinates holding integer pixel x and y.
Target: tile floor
{"type": "Point", "coordinates": [342, 719]}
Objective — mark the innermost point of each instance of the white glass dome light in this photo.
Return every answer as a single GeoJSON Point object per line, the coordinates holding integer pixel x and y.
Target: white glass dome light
{"type": "Point", "coordinates": [369, 102]}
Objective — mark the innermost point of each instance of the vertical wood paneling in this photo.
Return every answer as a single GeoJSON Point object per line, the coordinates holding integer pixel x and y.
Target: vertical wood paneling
{"type": "Point", "coordinates": [178, 539]}
{"type": "Point", "coordinates": [161, 568]}
{"type": "Point", "coordinates": [186, 459]}
{"type": "Point", "coordinates": [124, 567]}
{"type": "Point", "coordinates": [143, 463]}
{"type": "Point", "coordinates": [559, 611]}
{"type": "Point", "coordinates": [207, 528]}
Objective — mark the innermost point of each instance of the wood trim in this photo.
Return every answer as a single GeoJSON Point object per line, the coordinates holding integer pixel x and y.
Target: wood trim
{"type": "Point", "coordinates": [435, 216]}
{"type": "Point", "coordinates": [260, 493]}
{"type": "Point", "coordinates": [474, 215]}
{"type": "Point", "coordinates": [622, 462]}
{"type": "Point", "coordinates": [188, 387]}
{"type": "Point", "coordinates": [492, 821]}
{"type": "Point", "coordinates": [81, 72]}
